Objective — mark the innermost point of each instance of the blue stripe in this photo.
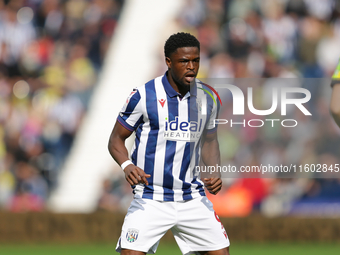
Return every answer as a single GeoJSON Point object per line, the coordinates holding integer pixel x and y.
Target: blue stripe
{"type": "Point", "coordinates": [200, 186]}
{"type": "Point", "coordinates": [168, 179]}
{"type": "Point", "coordinates": [186, 187]}
{"type": "Point", "coordinates": [131, 105]}
{"type": "Point", "coordinates": [151, 108]}
{"type": "Point", "coordinates": [170, 151]}
{"type": "Point", "coordinates": [137, 142]}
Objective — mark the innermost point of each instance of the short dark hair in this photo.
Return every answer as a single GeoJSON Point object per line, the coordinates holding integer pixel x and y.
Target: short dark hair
{"type": "Point", "coordinates": [180, 40]}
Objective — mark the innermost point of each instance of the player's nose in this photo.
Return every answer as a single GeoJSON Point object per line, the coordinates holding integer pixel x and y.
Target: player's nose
{"type": "Point", "coordinates": [191, 65]}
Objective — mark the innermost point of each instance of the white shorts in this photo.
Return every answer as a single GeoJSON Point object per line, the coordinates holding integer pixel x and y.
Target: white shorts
{"type": "Point", "coordinates": [194, 224]}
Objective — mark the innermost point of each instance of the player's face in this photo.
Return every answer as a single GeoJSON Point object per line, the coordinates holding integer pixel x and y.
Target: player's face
{"type": "Point", "coordinates": [183, 65]}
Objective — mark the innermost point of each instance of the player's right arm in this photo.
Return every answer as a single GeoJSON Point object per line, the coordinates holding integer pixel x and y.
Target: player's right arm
{"type": "Point", "coordinates": [128, 120]}
{"type": "Point", "coordinates": [133, 174]}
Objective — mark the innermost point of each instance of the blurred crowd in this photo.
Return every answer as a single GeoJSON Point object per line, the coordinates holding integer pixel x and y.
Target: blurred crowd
{"type": "Point", "coordinates": [265, 38]}
{"type": "Point", "coordinates": [51, 53]}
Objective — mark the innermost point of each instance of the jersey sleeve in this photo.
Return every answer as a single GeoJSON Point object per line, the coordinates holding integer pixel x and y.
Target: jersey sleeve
{"type": "Point", "coordinates": [211, 126]}
{"type": "Point", "coordinates": [131, 115]}
{"type": "Point", "coordinates": [336, 75]}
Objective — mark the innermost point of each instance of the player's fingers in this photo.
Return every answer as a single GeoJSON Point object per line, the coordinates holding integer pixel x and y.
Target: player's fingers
{"type": "Point", "coordinates": [206, 181]}
{"type": "Point", "coordinates": [130, 174]}
{"type": "Point", "coordinates": [215, 191]}
{"type": "Point", "coordinates": [212, 183]}
{"type": "Point", "coordinates": [142, 173]}
{"type": "Point", "coordinates": [145, 181]}
{"type": "Point", "coordinates": [213, 186]}
{"type": "Point", "coordinates": [136, 175]}
{"type": "Point", "coordinates": [216, 188]}
{"type": "Point", "coordinates": [209, 188]}
{"type": "Point", "coordinates": [143, 176]}
{"type": "Point", "coordinates": [215, 183]}
{"type": "Point", "coordinates": [129, 180]}
{"type": "Point", "coordinates": [215, 180]}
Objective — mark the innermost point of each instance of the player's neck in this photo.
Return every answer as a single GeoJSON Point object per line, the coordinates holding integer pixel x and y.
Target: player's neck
{"type": "Point", "coordinates": [182, 90]}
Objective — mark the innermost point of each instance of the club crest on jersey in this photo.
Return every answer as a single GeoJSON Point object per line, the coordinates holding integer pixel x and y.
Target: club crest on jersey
{"type": "Point", "coordinates": [199, 105]}
{"type": "Point", "coordinates": [132, 235]}
{"type": "Point", "coordinates": [177, 130]}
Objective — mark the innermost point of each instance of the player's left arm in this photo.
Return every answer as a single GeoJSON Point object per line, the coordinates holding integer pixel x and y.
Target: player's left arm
{"type": "Point", "coordinates": [211, 157]}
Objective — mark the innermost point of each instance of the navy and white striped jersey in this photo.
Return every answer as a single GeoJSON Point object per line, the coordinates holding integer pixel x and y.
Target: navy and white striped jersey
{"type": "Point", "coordinates": [168, 135]}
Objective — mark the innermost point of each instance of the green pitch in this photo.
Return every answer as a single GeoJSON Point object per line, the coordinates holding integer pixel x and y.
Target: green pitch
{"type": "Point", "coordinates": [171, 249]}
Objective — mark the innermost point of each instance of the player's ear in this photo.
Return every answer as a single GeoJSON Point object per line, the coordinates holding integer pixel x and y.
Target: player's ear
{"type": "Point", "coordinates": [168, 62]}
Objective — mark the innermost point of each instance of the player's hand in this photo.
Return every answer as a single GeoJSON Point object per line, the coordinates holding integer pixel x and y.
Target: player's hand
{"type": "Point", "coordinates": [134, 175]}
{"type": "Point", "coordinates": [213, 185]}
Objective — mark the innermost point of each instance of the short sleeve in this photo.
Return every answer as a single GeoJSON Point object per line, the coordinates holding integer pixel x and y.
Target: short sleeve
{"type": "Point", "coordinates": [131, 114]}
{"type": "Point", "coordinates": [211, 126]}
{"type": "Point", "coordinates": [336, 75]}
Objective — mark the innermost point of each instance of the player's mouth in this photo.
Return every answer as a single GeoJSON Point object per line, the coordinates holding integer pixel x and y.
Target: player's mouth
{"type": "Point", "coordinates": [189, 77]}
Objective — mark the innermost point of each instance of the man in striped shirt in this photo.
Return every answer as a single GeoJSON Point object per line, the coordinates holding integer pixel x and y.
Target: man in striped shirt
{"type": "Point", "coordinates": [173, 118]}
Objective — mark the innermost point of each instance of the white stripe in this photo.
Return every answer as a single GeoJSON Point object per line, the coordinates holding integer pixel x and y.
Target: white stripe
{"type": "Point", "coordinates": [204, 105]}
{"type": "Point", "coordinates": [161, 143]}
{"type": "Point", "coordinates": [203, 113]}
{"type": "Point", "coordinates": [180, 147]}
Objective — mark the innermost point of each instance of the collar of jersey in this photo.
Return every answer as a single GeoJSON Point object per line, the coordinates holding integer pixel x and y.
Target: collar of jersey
{"type": "Point", "coordinates": [170, 90]}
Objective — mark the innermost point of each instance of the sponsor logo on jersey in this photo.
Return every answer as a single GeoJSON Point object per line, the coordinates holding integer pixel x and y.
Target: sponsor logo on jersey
{"type": "Point", "coordinates": [132, 235]}
{"type": "Point", "coordinates": [182, 130]}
